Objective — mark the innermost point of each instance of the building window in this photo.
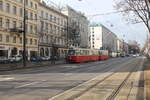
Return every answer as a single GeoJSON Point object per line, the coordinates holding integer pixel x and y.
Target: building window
{"type": "Point", "coordinates": [42, 25]}
{"type": "Point", "coordinates": [21, 12]}
{"type": "Point", "coordinates": [35, 29]}
{"type": "Point", "coordinates": [46, 39]}
{"type": "Point", "coordinates": [26, 2]}
{"type": "Point", "coordinates": [31, 4]}
{"type": "Point", "coordinates": [46, 27]}
{"type": "Point", "coordinates": [14, 24]}
{"type": "Point", "coordinates": [31, 41]}
{"type": "Point", "coordinates": [51, 18]}
{"type": "Point", "coordinates": [58, 21]}
{"type": "Point", "coordinates": [1, 37]}
{"type": "Point", "coordinates": [8, 7]}
{"type": "Point", "coordinates": [31, 28]}
{"type": "Point", "coordinates": [35, 16]}
{"type": "Point", "coordinates": [1, 5]}
{"type": "Point", "coordinates": [26, 40]}
{"type": "Point", "coordinates": [20, 39]}
{"type": "Point", "coordinates": [35, 41]}
{"type": "Point", "coordinates": [1, 22]}
{"type": "Point", "coordinates": [54, 19]}
{"type": "Point", "coordinates": [7, 38]}
{"type": "Point", "coordinates": [14, 39]}
{"type": "Point", "coordinates": [21, 25]}
{"type": "Point", "coordinates": [47, 16]}
{"type": "Point", "coordinates": [21, 1]}
{"type": "Point", "coordinates": [14, 10]}
{"type": "Point", "coordinates": [42, 14]}
{"type": "Point", "coordinates": [26, 14]}
{"type": "Point", "coordinates": [35, 6]}
{"type": "Point", "coordinates": [31, 15]}
{"type": "Point", "coordinates": [7, 23]}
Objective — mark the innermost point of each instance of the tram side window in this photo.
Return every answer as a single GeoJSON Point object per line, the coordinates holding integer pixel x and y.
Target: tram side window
{"type": "Point", "coordinates": [71, 52]}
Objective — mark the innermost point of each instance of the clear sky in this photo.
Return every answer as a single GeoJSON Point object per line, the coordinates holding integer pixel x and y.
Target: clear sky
{"type": "Point", "coordinates": [115, 22]}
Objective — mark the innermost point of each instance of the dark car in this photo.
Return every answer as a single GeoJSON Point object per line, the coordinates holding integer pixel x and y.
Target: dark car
{"type": "Point", "coordinates": [35, 59]}
{"type": "Point", "coordinates": [127, 55]}
{"type": "Point", "coordinates": [122, 55]}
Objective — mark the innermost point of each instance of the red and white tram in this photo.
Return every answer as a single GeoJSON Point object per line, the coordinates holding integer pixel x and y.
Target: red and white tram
{"type": "Point", "coordinates": [78, 55]}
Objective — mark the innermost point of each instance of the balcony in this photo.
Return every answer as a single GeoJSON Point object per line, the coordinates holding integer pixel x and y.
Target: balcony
{"type": "Point", "coordinates": [17, 31]}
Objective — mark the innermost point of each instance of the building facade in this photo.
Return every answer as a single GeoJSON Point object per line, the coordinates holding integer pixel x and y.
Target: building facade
{"type": "Point", "coordinates": [52, 30]}
{"type": "Point", "coordinates": [78, 31]}
{"type": "Point", "coordinates": [120, 46]}
{"type": "Point", "coordinates": [102, 38]}
{"type": "Point", "coordinates": [11, 21]}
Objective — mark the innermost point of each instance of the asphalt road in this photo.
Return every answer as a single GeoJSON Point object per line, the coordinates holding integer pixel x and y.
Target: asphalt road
{"type": "Point", "coordinates": [47, 82]}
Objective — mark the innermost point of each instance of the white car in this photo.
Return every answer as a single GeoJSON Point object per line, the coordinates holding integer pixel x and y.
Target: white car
{"type": "Point", "coordinates": [15, 58]}
{"type": "Point", "coordinates": [46, 58]}
{"type": "Point", "coordinates": [4, 60]}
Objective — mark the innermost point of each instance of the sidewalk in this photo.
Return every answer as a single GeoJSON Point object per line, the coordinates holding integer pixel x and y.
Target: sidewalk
{"type": "Point", "coordinates": [147, 80]}
{"type": "Point", "coordinates": [14, 66]}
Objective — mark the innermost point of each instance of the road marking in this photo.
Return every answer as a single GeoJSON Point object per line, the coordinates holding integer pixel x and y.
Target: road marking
{"type": "Point", "coordinates": [67, 74]}
{"type": "Point", "coordinates": [6, 79]}
{"type": "Point", "coordinates": [26, 85]}
{"type": "Point", "coordinates": [33, 83]}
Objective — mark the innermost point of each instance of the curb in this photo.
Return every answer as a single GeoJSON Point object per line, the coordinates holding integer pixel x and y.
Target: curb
{"type": "Point", "coordinates": [30, 67]}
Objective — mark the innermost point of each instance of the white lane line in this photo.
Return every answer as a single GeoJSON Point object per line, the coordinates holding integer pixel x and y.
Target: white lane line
{"type": "Point", "coordinates": [26, 85]}
{"type": "Point", "coordinates": [33, 83]}
{"type": "Point", "coordinates": [6, 79]}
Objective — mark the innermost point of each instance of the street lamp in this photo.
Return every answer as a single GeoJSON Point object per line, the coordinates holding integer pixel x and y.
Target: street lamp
{"type": "Point", "coordinates": [24, 36]}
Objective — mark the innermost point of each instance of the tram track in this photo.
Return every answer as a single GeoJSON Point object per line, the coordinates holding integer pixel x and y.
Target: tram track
{"type": "Point", "coordinates": [73, 97]}
{"type": "Point", "coordinates": [117, 90]}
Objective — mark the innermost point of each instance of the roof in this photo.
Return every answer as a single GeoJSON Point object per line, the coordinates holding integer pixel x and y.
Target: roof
{"type": "Point", "coordinates": [43, 4]}
{"type": "Point", "coordinates": [96, 25]}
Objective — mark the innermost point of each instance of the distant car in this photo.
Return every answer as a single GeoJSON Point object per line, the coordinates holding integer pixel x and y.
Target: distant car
{"type": "Point", "coordinates": [15, 58]}
{"type": "Point", "coordinates": [46, 58]}
{"type": "Point", "coordinates": [134, 55]}
{"type": "Point", "coordinates": [4, 60]}
{"type": "Point", "coordinates": [122, 55]}
{"type": "Point", "coordinates": [18, 58]}
{"type": "Point", "coordinates": [35, 59]}
{"type": "Point", "coordinates": [127, 55]}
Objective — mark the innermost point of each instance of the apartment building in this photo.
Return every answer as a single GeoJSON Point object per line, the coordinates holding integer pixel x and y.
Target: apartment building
{"type": "Point", "coordinates": [102, 38]}
{"type": "Point", "coordinates": [11, 22]}
{"type": "Point", "coordinates": [52, 30]}
{"type": "Point", "coordinates": [78, 28]}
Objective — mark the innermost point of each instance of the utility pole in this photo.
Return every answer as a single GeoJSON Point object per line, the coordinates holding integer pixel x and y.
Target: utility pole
{"type": "Point", "coordinates": [24, 36]}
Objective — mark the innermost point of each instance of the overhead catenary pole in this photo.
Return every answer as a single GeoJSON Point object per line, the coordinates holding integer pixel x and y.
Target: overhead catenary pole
{"type": "Point", "coordinates": [24, 35]}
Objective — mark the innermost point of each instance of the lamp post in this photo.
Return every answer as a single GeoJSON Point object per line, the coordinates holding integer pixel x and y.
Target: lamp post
{"type": "Point", "coordinates": [24, 35]}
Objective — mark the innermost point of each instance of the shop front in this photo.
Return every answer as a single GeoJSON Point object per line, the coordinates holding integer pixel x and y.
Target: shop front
{"type": "Point", "coordinates": [4, 51]}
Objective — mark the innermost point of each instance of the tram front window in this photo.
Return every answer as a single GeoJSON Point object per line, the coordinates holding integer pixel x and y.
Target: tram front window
{"type": "Point", "coordinates": [71, 52]}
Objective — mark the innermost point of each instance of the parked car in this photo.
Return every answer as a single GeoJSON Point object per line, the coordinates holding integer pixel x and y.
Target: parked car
{"type": "Point", "coordinates": [15, 58]}
{"type": "Point", "coordinates": [122, 55]}
{"type": "Point", "coordinates": [46, 58]}
{"type": "Point", "coordinates": [127, 55]}
{"type": "Point", "coordinates": [4, 60]}
{"type": "Point", "coordinates": [35, 59]}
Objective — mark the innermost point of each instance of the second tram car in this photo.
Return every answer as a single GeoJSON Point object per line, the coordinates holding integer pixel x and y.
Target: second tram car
{"type": "Point", "coordinates": [78, 55]}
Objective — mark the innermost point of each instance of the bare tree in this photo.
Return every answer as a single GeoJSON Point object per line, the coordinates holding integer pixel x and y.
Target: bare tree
{"type": "Point", "coordinates": [74, 33]}
{"type": "Point", "coordinates": [136, 10]}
